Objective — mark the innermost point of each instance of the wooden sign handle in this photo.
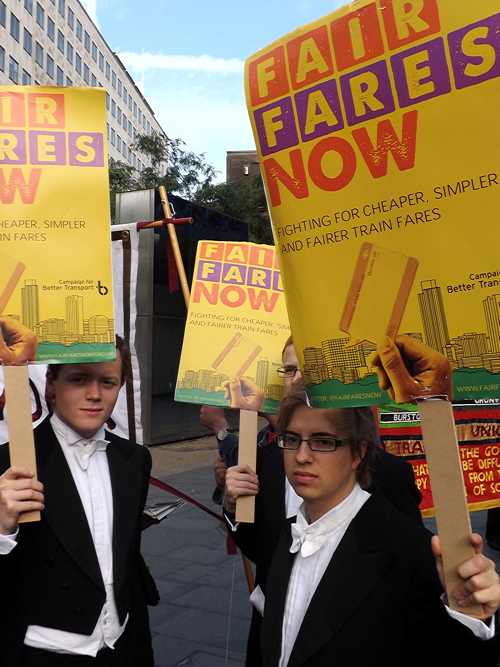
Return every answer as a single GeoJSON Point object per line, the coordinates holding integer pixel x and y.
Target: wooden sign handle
{"type": "Point", "coordinates": [21, 441]}
{"type": "Point", "coordinates": [247, 453]}
{"type": "Point", "coordinates": [448, 492]}
{"type": "Point", "coordinates": [175, 245]}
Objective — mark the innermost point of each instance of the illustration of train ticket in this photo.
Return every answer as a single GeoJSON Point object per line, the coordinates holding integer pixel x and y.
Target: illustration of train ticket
{"type": "Point", "coordinates": [237, 356]}
{"type": "Point", "coordinates": [378, 294]}
{"type": "Point", "coordinates": [10, 272]}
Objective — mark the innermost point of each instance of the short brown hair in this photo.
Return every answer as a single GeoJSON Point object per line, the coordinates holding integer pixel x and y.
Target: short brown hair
{"type": "Point", "coordinates": [124, 350]}
{"type": "Point", "coordinates": [358, 423]}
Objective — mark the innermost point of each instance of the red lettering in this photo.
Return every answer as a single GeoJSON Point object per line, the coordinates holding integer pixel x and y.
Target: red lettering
{"type": "Point", "coordinates": [227, 294]}
{"type": "Point", "coordinates": [262, 299]}
{"type": "Point", "coordinates": [201, 289]}
{"type": "Point", "coordinates": [16, 183]}
{"type": "Point", "coordinates": [402, 150]}
{"type": "Point", "coordinates": [296, 182]}
{"type": "Point", "coordinates": [318, 158]}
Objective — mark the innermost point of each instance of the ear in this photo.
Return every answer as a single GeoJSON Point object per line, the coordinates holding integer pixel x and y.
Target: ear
{"type": "Point", "coordinates": [360, 454]}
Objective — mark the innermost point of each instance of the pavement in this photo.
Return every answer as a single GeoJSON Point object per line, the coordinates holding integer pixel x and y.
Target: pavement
{"type": "Point", "coordinates": [204, 614]}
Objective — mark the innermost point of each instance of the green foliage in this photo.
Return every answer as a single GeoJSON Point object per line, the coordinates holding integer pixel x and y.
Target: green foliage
{"type": "Point", "coordinates": [245, 200]}
{"type": "Point", "coordinates": [189, 176]}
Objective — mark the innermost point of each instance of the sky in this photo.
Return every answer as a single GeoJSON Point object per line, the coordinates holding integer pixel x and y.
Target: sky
{"type": "Point", "coordinates": [187, 57]}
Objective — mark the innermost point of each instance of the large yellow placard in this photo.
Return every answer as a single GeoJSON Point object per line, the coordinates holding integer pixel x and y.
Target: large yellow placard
{"type": "Point", "coordinates": [378, 136]}
{"type": "Point", "coordinates": [55, 246]}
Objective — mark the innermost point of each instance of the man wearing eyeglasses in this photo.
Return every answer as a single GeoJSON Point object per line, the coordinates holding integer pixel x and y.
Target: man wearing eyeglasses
{"type": "Point", "coordinates": [353, 581]}
{"type": "Point", "coordinates": [277, 500]}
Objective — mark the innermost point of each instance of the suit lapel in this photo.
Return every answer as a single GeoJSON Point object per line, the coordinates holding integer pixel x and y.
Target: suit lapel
{"type": "Point", "coordinates": [126, 482]}
{"type": "Point", "coordinates": [64, 511]}
{"type": "Point", "coordinates": [272, 478]}
{"type": "Point", "coordinates": [358, 564]}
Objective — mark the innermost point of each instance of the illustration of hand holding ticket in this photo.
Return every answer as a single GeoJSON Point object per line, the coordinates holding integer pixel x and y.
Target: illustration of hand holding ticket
{"type": "Point", "coordinates": [411, 371]}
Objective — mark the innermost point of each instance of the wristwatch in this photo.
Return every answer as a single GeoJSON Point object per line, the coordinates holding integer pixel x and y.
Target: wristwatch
{"type": "Point", "coordinates": [223, 433]}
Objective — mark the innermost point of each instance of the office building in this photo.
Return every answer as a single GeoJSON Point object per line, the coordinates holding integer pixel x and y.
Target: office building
{"type": "Point", "coordinates": [55, 43]}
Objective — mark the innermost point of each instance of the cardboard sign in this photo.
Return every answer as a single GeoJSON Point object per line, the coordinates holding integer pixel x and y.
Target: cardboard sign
{"type": "Point", "coordinates": [55, 248]}
{"type": "Point", "coordinates": [379, 141]}
{"type": "Point", "coordinates": [237, 324]}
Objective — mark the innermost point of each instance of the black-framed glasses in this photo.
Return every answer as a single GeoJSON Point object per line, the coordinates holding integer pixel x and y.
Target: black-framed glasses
{"type": "Point", "coordinates": [287, 371]}
{"type": "Point", "coordinates": [319, 444]}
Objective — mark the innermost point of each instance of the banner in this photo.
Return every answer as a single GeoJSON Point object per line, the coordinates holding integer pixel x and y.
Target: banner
{"type": "Point", "coordinates": [126, 417]}
{"type": "Point", "coordinates": [478, 433]}
{"type": "Point", "coordinates": [55, 252]}
{"type": "Point", "coordinates": [237, 325]}
{"type": "Point", "coordinates": [378, 137]}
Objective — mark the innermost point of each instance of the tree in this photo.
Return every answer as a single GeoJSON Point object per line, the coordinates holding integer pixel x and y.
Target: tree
{"type": "Point", "coordinates": [189, 176]}
{"type": "Point", "coordinates": [245, 200]}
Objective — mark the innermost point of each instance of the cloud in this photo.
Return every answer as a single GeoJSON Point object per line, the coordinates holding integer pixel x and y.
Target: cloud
{"type": "Point", "coordinates": [139, 62]}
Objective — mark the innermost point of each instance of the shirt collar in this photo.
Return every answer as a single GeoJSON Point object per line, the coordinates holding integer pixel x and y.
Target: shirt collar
{"type": "Point", "coordinates": [65, 434]}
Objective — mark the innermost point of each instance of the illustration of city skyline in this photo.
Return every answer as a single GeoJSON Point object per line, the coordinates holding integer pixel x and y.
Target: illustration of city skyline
{"type": "Point", "coordinates": [209, 381]}
{"type": "Point", "coordinates": [74, 328]}
{"type": "Point", "coordinates": [472, 350]}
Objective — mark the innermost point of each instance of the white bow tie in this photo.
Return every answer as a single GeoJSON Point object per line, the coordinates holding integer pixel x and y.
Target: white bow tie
{"type": "Point", "coordinates": [85, 448]}
{"type": "Point", "coordinates": [308, 543]}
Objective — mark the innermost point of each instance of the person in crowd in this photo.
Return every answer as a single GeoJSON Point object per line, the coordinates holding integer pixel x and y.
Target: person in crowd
{"type": "Point", "coordinates": [276, 499]}
{"type": "Point", "coordinates": [74, 583]}
{"type": "Point", "coordinates": [353, 581]}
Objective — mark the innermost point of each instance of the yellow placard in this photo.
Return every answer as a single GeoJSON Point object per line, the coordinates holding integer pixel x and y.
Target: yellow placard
{"type": "Point", "coordinates": [237, 326]}
{"type": "Point", "coordinates": [55, 246]}
{"type": "Point", "coordinates": [379, 142]}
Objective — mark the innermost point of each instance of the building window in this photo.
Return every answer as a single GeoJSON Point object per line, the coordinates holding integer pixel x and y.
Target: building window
{"type": "Point", "coordinates": [86, 73]}
{"type": "Point", "coordinates": [39, 54]}
{"type": "Point", "coordinates": [118, 143]}
{"type": "Point", "coordinates": [3, 13]}
{"type": "Point", "coordinates": [14, 26]}
{"type": "Point", "coordinates": [124, 149]}
{"type": "Point", "coordinates": [93, 81]}
{"type": "Point", "coordinates": [71, 18]}
{"type": "Point", "coordinates": [113, 137]}
{"type": "Point", "coordinates": [108, 70]}
{"type": "Point", "coordinates": [28, 5]}
{"type": "Point", "coordinates": [2, 59]}
{"type": "Point", "coordinates": [113, 79]}
{"type": "Point", "coordinates": [51, 28]}
{"type": "Point", "coordinates": [113, 108]}
{"type": "Point", "coordinates": [107, 101]}
{"type": "Point", "coordinates": [60, 41]}
{"type": "Point", "coordinates": [130, 102]}
{"type": "Point", "coordinates": [50, 66]}
{"type": "Point", "coordinates": [130, 128]}
{"type": "Point", "coordinates": [119, 115]}
{"type": "Point", "coordinates": [94, 51]}
{"type": "Point", "coordinates": [59, 76]}
{"type": "Point", "coordinates": [69, 52]}
{"type": "Point", "coordinates": [62, 7]}
{"type": "Point", "coordinates": [78, 63]}
{"type": "Point", "coordinates": [40, 15]}
{"type": "Point", "coordinates": [26, 78]}
{"type": "Point", "coordinates": [86, 41]}
{"type": "Point", "coordinates": [27, 41]}
{"type": "Point", "coordinates": [119, 88]}
{"type": "Point", "coordinates": [79, 30]}
{"type": "Point", "coordinates": [69, 83]}
{"type": "Point", "coordinates": [139, 114]}
{"type": "Point", "coordinates": [101, 61]}
{"type": "Point", "coordinates": [13, 69]}
{"type": "Point", "coordinates": [125, 95]}
{"type": "Point", "coordinates": [135, 109]}
{"type": "Point", "coordinates": [124, 122]}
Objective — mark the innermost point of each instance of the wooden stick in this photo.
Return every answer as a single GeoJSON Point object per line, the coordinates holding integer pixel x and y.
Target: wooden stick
{"type": "Point", "coordinates": [21, 441]}
{"type": "Point", "coordinates": [175, 244]}
{"type": "Point", "coordinates": [448, 492]}
{"type": "Point", "coordinates": [247, 453]}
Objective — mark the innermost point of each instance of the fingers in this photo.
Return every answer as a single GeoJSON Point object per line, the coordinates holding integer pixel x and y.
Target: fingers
{"type": "Point", "coordinates": [19, 492]}
{"type": "Point", "coordinates": [240, 481]}
{"type": "Point", "coordinates": [393, 373]}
